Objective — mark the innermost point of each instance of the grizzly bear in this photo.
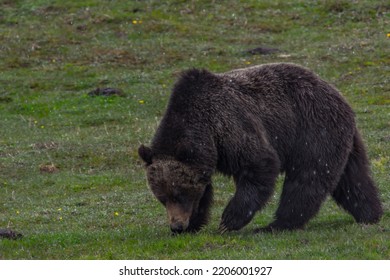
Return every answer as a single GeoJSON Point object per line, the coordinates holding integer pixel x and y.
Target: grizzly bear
{"type": "Point", "coordinates": [253, 124]}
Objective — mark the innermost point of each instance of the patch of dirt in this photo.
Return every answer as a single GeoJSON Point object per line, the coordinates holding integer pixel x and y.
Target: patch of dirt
{"type": "Point", "coordinates": [386, 138]}
{"type": "Point", "coordinates": [5, 99]}
{"type": "Point", "coordinates": [106, 92]}
{"type": "Point", "coordinates": [123, 57]}
{"type": "Point", "coordinates": [48, 168]}
{"type": "Point", "coordinates": [262, 51]}
{"type": "Point", "coordinates": [9, 234]}
{"type": "Point", "coordinates": [50, 10]}
{"type": "Point", "coordinates": [45, 145]}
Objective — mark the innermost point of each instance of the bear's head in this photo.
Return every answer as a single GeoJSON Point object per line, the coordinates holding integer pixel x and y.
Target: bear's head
{"type": "Point", "coordinates": [184, 190]}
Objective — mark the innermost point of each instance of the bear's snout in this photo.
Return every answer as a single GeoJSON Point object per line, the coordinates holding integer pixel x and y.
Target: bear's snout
{"type": "Point", "coordinates": [178, 218]}
{"type": "Point", "coordinates": [177, 227]}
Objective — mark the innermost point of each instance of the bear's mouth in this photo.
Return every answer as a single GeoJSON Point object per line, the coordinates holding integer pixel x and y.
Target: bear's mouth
{"type": "Point", "coordinates": [178, 228]}
{"type": "Point", "coordinates": [178, 217]}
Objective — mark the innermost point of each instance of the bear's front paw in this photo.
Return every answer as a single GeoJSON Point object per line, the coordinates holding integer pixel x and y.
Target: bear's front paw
{"type": "Point", "coordinates": [234, 220]}
{"type": "Point", "coordinates": [230, 225]}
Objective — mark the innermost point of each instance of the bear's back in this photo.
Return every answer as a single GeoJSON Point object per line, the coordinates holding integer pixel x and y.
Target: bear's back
{"type": "Point", "coordinates": [285, 100]}
{"type": "Point", "coordinates": [290, 87]}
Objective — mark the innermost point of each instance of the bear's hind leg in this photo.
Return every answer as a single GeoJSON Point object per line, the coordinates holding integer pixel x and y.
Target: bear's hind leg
{"type": "Point", "coordinates": [356, 191]}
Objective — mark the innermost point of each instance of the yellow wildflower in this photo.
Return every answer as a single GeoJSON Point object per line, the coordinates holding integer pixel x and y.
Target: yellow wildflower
{"type": "Point", "coordinates": [141, 101]}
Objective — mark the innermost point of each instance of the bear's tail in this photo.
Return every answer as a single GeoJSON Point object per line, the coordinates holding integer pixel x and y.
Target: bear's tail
{"type": "Point", "coordinates": [356, 191]}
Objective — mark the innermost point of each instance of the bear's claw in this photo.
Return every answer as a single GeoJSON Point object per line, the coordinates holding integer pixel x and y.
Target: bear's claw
{"type": "Point", "coordinates": [222, 228]}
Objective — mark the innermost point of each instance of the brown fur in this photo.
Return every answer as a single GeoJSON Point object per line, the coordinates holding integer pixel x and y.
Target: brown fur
{"type": "Point", "coordinates": [253, 124]}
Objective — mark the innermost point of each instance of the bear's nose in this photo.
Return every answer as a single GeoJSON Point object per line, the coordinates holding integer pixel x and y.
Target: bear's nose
{"type": "Point", "coordinates": [177, 228]}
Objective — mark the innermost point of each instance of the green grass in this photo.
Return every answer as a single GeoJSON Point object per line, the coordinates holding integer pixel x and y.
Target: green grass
{"type": "Point", "coordinates": [97, 204]}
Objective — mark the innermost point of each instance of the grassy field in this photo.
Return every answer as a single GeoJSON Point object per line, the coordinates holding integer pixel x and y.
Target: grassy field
{"type": "Point", "coordinates": [70, 178]}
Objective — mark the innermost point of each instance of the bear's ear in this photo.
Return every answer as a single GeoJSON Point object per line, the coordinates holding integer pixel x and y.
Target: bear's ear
{"type": "Point", "coordinates": [146, 154]}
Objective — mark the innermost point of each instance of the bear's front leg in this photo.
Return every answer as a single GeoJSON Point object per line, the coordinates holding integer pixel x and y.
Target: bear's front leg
{"type": "Point", "coordinates": [254, 187]}
{"type": "Point", "coordinates": [240, 210]}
